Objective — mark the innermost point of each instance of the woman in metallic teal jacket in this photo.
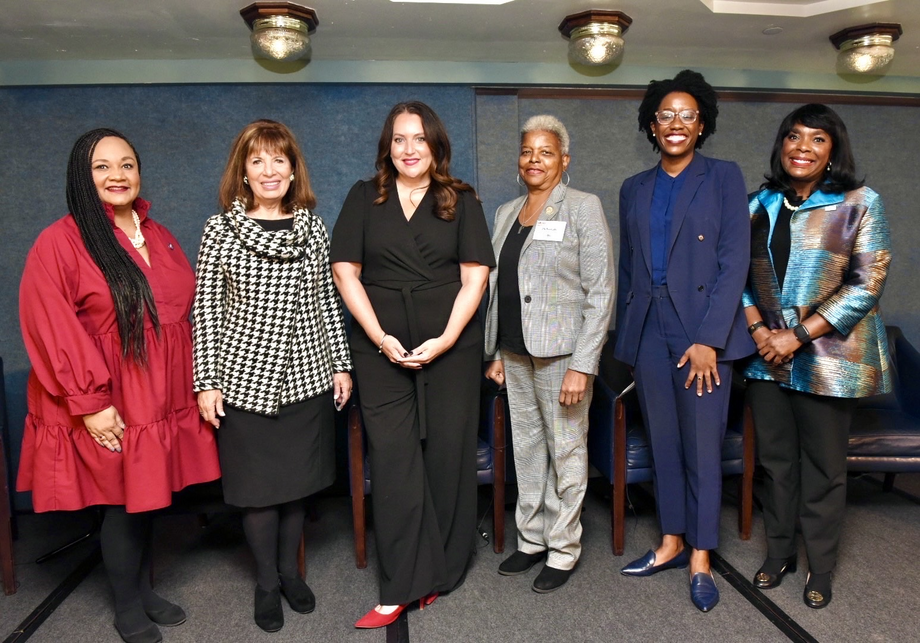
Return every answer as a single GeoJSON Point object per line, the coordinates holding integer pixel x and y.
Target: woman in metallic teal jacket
{"type": "Point", "coordinates": [820, 252]}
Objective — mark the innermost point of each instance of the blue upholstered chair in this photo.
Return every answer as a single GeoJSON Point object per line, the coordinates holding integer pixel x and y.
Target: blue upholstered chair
{"type": "Point", "coordinates": [490, 467]}
{"type": "Point", "coordinates": [885, 435]}
{"type": "Point", "coordinates": [618, 445]}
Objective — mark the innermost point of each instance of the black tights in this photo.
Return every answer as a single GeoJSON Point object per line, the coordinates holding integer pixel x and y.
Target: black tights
{"type": "Point", "coordinates": [274, 535]}
{"type": "Point", "coordinates": [125, 542]}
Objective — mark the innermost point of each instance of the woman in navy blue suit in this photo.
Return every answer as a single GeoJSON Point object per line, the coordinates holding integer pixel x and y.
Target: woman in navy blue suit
{"type": "Point", "coordinates": [684, 254]}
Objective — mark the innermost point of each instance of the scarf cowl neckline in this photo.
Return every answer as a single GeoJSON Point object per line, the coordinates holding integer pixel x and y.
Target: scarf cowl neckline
{"type": "Point", "coordinates": [284, 245]}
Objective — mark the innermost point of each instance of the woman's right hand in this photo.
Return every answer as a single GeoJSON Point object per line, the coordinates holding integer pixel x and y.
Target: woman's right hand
{"type": "Point", "coordinates": [496, 372]}
{"type": "Point", "coordinates": [106, 427]}
{"type": "Point", "coordinates": [394, 351]}
{"type": "Point", "coordinates": [210, 405]}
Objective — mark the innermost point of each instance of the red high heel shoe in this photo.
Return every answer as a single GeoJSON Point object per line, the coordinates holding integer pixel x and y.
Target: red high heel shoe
{"type": "Point", "coordinates": [425, 601]}
{"type": "Point", "coordinates": [375, 619]}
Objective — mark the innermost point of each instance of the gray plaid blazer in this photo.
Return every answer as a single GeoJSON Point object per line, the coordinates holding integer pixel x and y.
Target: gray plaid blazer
{"type": "Point", "coordinates": [567, 287]}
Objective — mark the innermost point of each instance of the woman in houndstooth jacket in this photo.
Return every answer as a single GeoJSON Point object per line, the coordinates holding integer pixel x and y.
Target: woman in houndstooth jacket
{"type": "Point", "coordinates": [270, 356]}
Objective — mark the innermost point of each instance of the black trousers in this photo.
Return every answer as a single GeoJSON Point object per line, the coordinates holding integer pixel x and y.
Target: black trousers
{"type": "Point", "coordinates": [802, 443]}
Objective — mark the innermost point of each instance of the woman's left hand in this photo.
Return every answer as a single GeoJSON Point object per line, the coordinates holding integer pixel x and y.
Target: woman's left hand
{"type": "Point", "coordinates": [341, 389]}
{"type": "Point", "coordinates": [574, 385]}
{"type": "Point", "coordinates": [703, 367]}
{"type": "Point", "coordinates": [779, 346]}
{"type": "Point", "coordinates": [425, 353]}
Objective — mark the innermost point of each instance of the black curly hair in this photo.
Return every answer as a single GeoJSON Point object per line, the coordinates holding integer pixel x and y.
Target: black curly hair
{"type": "Point", "coordinates": [687, 82]}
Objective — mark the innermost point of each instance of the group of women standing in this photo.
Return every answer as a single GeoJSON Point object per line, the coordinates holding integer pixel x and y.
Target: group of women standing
{"type": "Point", "coordinates": [114, 421]}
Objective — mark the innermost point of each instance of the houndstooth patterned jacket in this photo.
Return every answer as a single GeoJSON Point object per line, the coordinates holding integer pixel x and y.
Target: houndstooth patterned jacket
{"type": "Point", "coordinates": [268, 326]}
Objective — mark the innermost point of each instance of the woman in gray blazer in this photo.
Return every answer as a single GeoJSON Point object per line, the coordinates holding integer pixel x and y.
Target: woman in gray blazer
{"type": "Point", "coordinates": [550, 303]}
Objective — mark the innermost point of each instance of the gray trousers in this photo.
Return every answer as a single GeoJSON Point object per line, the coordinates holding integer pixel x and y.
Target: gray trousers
{"type": "Point", "coordinates": [550, 455]}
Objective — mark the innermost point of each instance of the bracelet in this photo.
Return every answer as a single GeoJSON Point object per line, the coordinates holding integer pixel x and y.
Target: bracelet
{"type": "Point", "coordinates": [753, 327]}
{"type": "Point", "coordinates": [380, 346]}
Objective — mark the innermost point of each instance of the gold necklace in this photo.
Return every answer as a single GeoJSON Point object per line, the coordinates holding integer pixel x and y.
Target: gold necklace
{"type": "Point", "coordinates": [526, 222]}
{"type": "Point", "coordinates": [413, 191]}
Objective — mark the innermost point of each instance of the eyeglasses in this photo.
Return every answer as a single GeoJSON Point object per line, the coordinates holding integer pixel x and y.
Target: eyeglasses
{"type": "Point", "coordinates": [687, 116]}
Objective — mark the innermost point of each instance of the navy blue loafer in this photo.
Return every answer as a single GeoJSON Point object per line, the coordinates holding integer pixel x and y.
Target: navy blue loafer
{"type": "Point", "coordinates": [703, 591]}
{"type": "Point", "coordinates": [646, 566]}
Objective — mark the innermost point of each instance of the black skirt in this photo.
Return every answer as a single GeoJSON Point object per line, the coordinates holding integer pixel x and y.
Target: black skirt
{"type": "Point", "coordinates": [272, 460]}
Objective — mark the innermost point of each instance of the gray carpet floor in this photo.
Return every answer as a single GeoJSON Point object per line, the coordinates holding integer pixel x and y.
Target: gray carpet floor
{"type": "Point", "coordinates": [209, 571]}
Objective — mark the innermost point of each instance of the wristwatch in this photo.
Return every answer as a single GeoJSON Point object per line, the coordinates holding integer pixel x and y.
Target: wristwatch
{"type": "Point", "coordinates": [801, 333]}
{"type": "Point", "coordinates": [757, 324]}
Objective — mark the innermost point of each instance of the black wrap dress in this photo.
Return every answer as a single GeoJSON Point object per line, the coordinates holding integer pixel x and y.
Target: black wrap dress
{"type": "Point", "coordinates": [421, 425]}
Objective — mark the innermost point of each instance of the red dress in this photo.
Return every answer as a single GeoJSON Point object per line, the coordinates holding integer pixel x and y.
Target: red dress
{"type": "Point", "coordinates": [71, 335]}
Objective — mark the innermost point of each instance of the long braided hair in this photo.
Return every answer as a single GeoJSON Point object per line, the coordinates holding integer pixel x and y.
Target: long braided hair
{"type": "Point", "coordinates": [130, 289]}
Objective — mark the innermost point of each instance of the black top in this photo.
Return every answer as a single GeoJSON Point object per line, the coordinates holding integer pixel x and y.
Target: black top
{"type": "Point", "coordinates": [781, 241]}
{"type": "Point", "coordinates": [510, 330]}
{"type": "Point", "coordinates": [274, 225]}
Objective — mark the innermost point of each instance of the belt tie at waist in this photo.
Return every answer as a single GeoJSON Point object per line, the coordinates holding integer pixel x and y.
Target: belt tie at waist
{"type": "Point", "coordinates": [421, 376]}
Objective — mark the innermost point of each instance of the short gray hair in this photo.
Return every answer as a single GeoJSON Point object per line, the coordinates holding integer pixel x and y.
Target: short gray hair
{"type": "Point", "coordinates": [547, 123]}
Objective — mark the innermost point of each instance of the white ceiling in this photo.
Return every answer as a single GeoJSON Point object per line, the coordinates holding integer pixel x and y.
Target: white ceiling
{"type": "Point", "coordinates": [664, 33]}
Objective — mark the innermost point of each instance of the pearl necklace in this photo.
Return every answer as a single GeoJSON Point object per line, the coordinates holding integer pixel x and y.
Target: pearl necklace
{"type": "Point", "coordinates": [792, 208]}
{"type": "Point", "coordinates": [138, 241]}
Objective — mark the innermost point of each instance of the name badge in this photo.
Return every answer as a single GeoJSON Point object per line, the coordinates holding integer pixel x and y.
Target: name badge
{"type": "Point", "coordinates": [830, 208]}
{"type": "Point", "coordinates": [549, 231]}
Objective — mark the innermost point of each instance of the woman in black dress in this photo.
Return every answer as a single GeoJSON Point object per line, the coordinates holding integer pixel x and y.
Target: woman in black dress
{"type": "Point", "coordinates": [270, 354]}
{"type": "Point", "coordinates": [411, 255]}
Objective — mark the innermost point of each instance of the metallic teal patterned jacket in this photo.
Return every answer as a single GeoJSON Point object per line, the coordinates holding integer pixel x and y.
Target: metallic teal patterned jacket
{"type": "Point", "coordinates": [838, 263]}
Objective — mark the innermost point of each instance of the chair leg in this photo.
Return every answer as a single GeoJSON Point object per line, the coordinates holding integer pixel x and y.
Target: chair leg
{"type": "Point", "coordinates": [746, 484]}
{"type": "Point", "coordinates": [618, 518]}
{"type": "Point", "coordinates": [302, 558]}
{"type": "Point", "coordinates": [888, 484]}
{"type": "Point", "coordinates": [358, 517]}
{"type": "Point", "coordinates": [356, 478]}
{"type": "Point", "coordinates": [6, 552]}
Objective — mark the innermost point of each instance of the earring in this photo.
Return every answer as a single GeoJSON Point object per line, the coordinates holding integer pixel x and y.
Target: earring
{"type": "Point", "coordinates": [519, 181]}
{"type": "Point", "coordinates": [246, 180]}
{"type": "Point", "coordinates": [566, 177]}
{"type": "Point", "coordinates": [829, 164]}
{"type": "Point", "coordinates": [292, 176]}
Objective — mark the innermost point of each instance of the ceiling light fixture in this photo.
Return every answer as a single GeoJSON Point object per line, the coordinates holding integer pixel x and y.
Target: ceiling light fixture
{"type": "Point", "coordinates": [280, 30]}
{"type": "Point", "coordinates": [595, 36]}
{"type": "Point", "coordinates": [866, 49]}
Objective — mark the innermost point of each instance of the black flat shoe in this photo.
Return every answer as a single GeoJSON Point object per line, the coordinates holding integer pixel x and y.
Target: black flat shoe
{"type": "Point", "coordinates": [267, 609]}
{"type": "Point", "coordinates": [646, 566]}
{"type": "Point", "coordinates": [771, 573]}
{"type": "Point", "coordinates": [550, 579]}
{"type": "Point", "coordinates": [817, 592]}
{"type": "Point", "coordinates": [298, 594]}
{"type": "Point", "coordinates": [134, 626]}
{"type": "Point", "coordinates": [519, 563]}
{"type": "Point", "coordinates": [147, 634]}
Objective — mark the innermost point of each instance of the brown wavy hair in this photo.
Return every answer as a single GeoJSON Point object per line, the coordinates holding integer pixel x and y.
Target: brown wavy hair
{"type": "Point", "coordinates": [444, 186]}
{"type": "Point", "coordinates": [273, 137]}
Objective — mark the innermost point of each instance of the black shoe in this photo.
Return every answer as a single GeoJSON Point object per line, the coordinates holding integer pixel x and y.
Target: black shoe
{"type": "Point", "coordinates": [550, 579]}
{"type": "Point", "coordinates": [135, 627]}
{"type": "Point", "coordinates": [646, 566]}
{"type": "Point", "coordinates": [771, 573]}
{"type": "Point", "coordinates": [267, 612]}
{"type": "Point", "coordinates": [817, 592]}
{"type": "Point", "coordinates": [298, 594]}
{"type": "Point", "coordinates": [519, 563]}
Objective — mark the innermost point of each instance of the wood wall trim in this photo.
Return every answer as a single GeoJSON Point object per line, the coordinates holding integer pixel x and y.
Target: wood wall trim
{"type": "Point", "coordinates": [728, 95]}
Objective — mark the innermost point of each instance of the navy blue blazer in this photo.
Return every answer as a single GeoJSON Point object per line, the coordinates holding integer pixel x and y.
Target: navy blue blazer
{"type": "Point", "coordinates": [708, 258]}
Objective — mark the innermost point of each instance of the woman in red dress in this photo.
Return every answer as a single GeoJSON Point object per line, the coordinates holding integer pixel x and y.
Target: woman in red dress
{"type": "Point", "coordinates": [104, 307]}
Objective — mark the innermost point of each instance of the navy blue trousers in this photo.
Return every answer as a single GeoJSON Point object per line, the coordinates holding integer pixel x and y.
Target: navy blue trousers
{"type": "Point", "coordinates": [685, 431]}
